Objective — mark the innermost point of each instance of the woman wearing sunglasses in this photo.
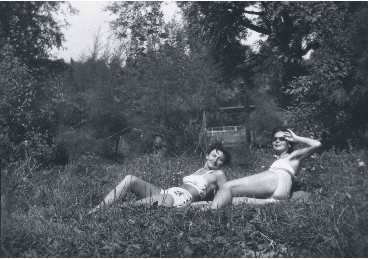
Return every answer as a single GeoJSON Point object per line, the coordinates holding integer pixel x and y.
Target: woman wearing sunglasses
{"type": "Point", "coordinates": [272, 185]}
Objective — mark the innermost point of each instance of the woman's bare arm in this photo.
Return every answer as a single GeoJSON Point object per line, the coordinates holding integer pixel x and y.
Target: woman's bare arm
{"type": "Point", "coordinates": [312, 145]}
{"type": "Point", "coordinates": [221, 178]}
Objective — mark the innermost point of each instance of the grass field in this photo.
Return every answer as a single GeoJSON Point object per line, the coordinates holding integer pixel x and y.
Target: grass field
{"type": "Point", "coordinates": [43, 212]}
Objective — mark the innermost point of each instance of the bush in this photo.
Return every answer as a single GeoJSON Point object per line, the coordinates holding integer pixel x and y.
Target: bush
{"type": "Point", "coordinates": [28, 118]}
{"type": "Point", "coordinates": [78, 143]}
{"type": "Point", "coordinates": [60, 153]}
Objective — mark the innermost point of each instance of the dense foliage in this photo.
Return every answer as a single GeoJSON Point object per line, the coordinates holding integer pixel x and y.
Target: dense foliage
{"type": "Point", "coordinates": [333, 95]}
{"type": "Point", "coordinates": [163, 75]}
{"type": "Point", "coordinates": [32, 30]}
{"type": "Point", "coordinates": [30, 84]}
{"type": "Point", "coordinates": [28, 118]}
{"type": "Point", "coordinates": [324, 94]}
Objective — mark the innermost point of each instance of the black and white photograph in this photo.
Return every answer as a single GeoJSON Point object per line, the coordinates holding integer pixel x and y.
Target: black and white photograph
{"type": "Point", "coordinates": [184, 129]}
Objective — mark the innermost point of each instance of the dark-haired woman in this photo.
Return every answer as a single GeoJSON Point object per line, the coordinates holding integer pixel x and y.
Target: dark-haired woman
{"type": "Point", "coordinates": [272, 185]}
{"type": "Point", "coordinates": [196, 187]}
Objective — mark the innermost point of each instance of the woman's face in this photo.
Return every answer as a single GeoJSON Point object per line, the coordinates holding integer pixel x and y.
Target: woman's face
{"type": "Point", "coordinates": [279, 142]}
{"type": "Point", "coordinates": [215, 159]}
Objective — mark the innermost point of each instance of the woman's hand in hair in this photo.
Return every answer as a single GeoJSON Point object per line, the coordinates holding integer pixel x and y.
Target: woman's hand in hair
{"type": "Point", "coordinates": [312, 145]}
{"type": "Point", "coordinates": [290, 136]}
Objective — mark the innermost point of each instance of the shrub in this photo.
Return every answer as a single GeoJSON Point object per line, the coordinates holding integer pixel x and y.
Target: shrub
{"type": "Point", "coordinates": [78, 143]}
{"type": "Point", "coordinates": [28, 118]}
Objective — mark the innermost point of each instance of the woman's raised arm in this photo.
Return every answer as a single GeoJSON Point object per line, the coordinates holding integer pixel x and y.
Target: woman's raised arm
{"type": "Point", "coordinates": [312, 145]}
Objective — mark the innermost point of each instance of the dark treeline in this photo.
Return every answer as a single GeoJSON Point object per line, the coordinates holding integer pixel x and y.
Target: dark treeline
{"type": "Point", "coordinates": [163, 75]}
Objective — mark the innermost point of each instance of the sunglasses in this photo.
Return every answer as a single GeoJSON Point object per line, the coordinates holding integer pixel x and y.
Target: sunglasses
{"type": "Point", "coordinates": [274, 139]}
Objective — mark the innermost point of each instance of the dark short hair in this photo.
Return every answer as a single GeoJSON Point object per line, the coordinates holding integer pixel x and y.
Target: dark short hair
{"type": "Point", "coordinates": [278, 129]}
{"type": "Point", "coordinates": [219, 147]}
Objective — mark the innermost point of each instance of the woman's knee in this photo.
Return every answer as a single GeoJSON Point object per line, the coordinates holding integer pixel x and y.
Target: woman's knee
{"type": "Point", "coordinates": [130, 177]}
{"type": "Point", "coordinates": [129, 180]}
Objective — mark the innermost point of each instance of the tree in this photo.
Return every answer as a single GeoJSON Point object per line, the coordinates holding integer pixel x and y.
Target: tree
{"type": "Point", "coordinates": [327, 84]}
{"type": "Point", "coordinates": [229, 23]}
{"type": "Point", "coordinates": [220, 23]}
{"type": "Point", "coordinates": [28, 118]}
{"type": "Point", "coordinates": [332, 97]}
{"type": "Point", "coordinates": [168, 79]}
{"type": "Point", "coordinates": [138, 24]}
{"type": "Point", "coordinates": [164, 89]}
{"type": "Point", "coordinates": [31, 29]}
{"type": "Point", "coordinates": [30, 80]}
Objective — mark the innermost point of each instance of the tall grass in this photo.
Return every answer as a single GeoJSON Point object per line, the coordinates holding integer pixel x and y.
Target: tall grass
{"type": "Point", "coordinates": [44, 212]}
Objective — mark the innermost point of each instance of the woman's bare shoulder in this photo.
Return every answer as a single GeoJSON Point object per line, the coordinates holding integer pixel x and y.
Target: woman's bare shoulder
{"type": "Point", "coordinates": [219, 172]}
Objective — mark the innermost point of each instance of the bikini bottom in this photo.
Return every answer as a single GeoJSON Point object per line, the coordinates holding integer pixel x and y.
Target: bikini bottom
{"type": "Point", "coordinates": [181, 197]}
{"type": "Point", "coordinates": [281, 193]}
{"type": "Point", "coordinates": [284, 185]}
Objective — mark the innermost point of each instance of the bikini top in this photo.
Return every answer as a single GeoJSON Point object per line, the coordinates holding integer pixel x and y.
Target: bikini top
{"type": "Point", "coordinates": [283, 165]}
{"type": "Point", "coordinates": [197, 181]}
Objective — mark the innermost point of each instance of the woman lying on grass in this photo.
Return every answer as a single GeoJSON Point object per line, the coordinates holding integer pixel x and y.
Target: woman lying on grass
{"type": "Point", "coordinates": [196, 187]}
{"type": "Point", "coordinates": [272, 185]}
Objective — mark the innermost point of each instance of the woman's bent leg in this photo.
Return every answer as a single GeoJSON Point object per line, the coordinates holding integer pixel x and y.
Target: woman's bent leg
{"type": "Point", "coordinates": [130, 183]}
{"type": "Point", "coordinates": [254, 186]}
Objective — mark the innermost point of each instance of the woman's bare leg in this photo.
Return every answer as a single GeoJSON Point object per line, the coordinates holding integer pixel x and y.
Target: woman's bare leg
{"type": "Point", "coordinates": [130, 183]}
{"type": "Point", "coordinates": [254, 186]}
